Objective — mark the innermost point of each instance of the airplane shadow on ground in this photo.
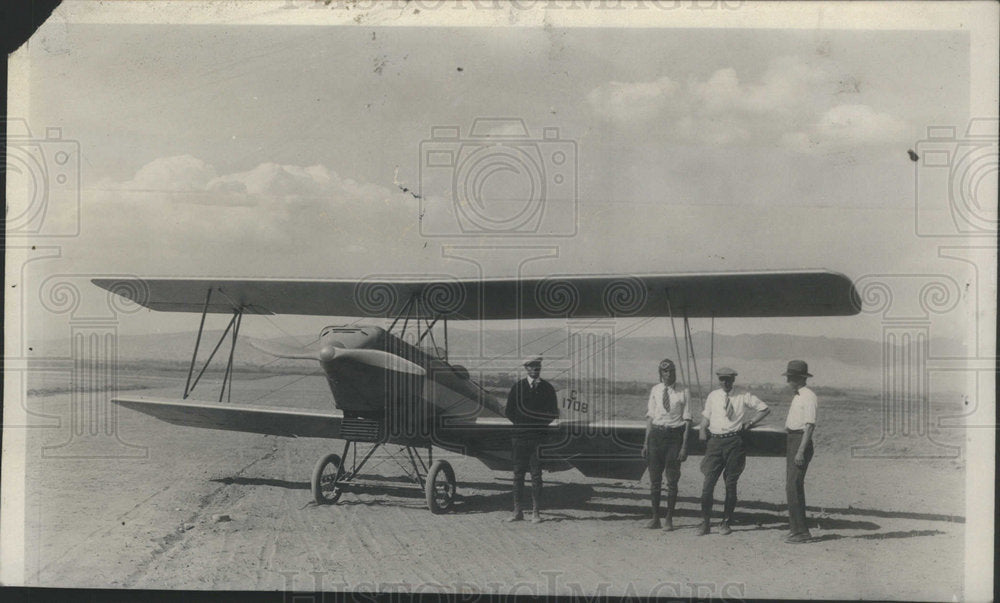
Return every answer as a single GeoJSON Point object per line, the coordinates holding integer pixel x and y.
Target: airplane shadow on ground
{"type": "Point", "coordinates": [262, 481]}
{"type": "Point", "coordinates": [365, 480]}
{"type": "Point", "coordinates": [561, 498]}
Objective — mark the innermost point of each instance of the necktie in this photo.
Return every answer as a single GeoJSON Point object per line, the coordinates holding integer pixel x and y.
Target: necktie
{"type": "Point", "coordinates": [666, 400]}
{"type": "Point", "coordinates": [534, 387]}
{"type": "Point", "coordinates": [729, 408]}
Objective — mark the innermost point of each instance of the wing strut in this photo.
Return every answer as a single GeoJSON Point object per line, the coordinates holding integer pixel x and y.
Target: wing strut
{"type": "Point", "coordinates": [417, 308]}
{"type": "Point", "coordinates": [197, 342]}
{"type": "Point", "coordinates": [677, 345]}
{"type": "Point", "coordinates": [711, 354]}
{"type": "Point", "coordinates": [228, 377]}
{"type": "Point", "coordinates": [234, 326]}
{"type": "Point", "coordinates": [690, 358]}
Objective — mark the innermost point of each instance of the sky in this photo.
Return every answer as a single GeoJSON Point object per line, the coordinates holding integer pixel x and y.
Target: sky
{"type": "Point", "coordinates": [284, 151]}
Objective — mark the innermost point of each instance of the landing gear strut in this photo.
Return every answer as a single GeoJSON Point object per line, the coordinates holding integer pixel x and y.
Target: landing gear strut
{"type": "Point", "coordinates": [437, 482]}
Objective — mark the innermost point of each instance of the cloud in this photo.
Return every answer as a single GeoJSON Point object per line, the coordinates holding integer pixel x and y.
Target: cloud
{"type": "Point", "coordinates": [178, 173]}
{"type": "Point", "coordinates": [788, 105]}
{"type": "Point", "coordinates": [181, 206]}
{"type": "Point", "coordinates": [630, 102]}
{"type": "Point", "coordinates": [187, 179]}
{"type": "Point", "coordinates": [845, 126]}
{"type": "Point", "coordinates": [787, 84]}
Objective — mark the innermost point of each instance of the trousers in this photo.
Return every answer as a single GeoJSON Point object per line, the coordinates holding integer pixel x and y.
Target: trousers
{"type": "Point", "coordinates": [795, 477]}
{"type": "Point", "coordinates": [726, 457]}
{"type": "Point", "coordinates": [525, 456]}
{"type": "Point", "coordinates": [661, 455]}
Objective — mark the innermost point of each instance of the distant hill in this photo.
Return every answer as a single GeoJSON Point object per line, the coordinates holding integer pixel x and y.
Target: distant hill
{"type": "Point", "coordinates": [760, 359]}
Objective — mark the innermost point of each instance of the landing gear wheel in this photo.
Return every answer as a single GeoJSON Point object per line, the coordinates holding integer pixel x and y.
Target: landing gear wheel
{"type": "Point", "coordinates": [440, 487]}
{"type": "Point", "coordinates": [326, 479]}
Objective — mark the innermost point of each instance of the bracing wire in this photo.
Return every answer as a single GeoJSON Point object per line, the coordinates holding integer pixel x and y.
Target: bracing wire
{"type": "Point", "coordinates": [523, 345]}
{"type": "Point", "coordinates": [290, 383]}
{"type": "Point", "coordinates": [690, 339]}
{"type": "Point", "coordinates": [625, 332]}
{"type": "Point", "coordinates": [677, 345]}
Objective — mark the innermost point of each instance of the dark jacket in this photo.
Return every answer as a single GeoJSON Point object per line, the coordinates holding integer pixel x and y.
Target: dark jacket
{"type": "Point", "coordinates": [532, 408]}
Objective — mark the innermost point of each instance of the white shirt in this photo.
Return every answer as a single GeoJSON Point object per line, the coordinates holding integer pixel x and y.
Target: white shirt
{"type": "Point", "coordinates": [744, 406]}
{"type": "Point", "coordinates": [680, 407]}
{"type": "Point", "coordinates": [802, 410]}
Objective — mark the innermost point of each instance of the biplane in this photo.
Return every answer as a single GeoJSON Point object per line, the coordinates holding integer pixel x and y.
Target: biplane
{"type": "Point", "coordinates": [395, 386]}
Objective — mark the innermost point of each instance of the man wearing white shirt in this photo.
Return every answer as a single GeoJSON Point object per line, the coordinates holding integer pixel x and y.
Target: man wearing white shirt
{"type": "Point", "coordinates": [668, 417]}
{"type": "Point", "coordinates": [727, 415]}
{"type": "Point", "coordinates": [800, 425]}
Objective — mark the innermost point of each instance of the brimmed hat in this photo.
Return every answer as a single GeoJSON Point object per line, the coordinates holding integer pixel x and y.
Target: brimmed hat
{"type": "Point", "coordinates": [533, 360]}
{"type": "Point", "coordinates": [666, 363]}
{"type": "Point", "coordinates": [797, 367]}
{"type": "Point", "coordinates": [726, 372]}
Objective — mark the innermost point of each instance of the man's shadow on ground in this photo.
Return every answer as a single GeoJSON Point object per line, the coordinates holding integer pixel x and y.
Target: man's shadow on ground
{"type": "Point", "coordinates": [568, 497]}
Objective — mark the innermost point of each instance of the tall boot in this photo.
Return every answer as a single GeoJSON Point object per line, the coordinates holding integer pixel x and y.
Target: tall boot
{"type": "Point", "coordinates": [536, 501]}
{"type": "Point", "coordinates": [518, 487]}
{"type": "Point", "coordinates": [669, 519]}
{"type": "Point", "coordinates": [654, 497]}
{"type": "Point", "coordinates": [729, 510]}
{"type": "Point", "coordinates": [706, 517]}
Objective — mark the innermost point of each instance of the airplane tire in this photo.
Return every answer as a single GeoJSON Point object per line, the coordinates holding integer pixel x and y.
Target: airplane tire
{"type": "Point", "coordinates": [328, 472]}
{"type": "Point", "coordinates": [440, 487]}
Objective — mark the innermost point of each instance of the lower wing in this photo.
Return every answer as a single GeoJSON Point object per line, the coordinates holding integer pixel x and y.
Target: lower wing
{"type": "Point", "coordinates": [609, 449]}
{"type": "Point", "coordinates": [229, 417]}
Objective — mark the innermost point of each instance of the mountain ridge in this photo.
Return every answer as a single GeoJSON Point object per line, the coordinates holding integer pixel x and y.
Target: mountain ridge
{"type": "Point", "coordinates": [759, 358]}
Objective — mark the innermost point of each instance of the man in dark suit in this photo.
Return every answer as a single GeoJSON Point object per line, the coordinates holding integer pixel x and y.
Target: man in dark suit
{"type": "Point", "coordinates": [531, 406]}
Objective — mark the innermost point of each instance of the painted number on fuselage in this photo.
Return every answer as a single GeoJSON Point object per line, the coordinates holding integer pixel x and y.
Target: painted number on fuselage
{"type": "Point", "coordinates": [572, 402]}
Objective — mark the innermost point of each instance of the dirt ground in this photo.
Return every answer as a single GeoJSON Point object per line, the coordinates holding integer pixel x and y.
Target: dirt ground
{"type": "Point", "coordinates": [884, 528]}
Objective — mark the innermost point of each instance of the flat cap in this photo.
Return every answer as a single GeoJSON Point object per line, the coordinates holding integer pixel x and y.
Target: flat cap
{"type": "Point", "coordinates": [726, 372]}
{"type": "Point", "coordinates": [533, 360]}
{"type": "Point", "coordinates": [666, 363]}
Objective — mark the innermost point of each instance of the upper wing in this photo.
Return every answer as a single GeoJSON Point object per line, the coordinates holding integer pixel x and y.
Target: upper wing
{"type": "Point", "coordinates": [736, 294]}
{"type": "Point", "coordinates": [250, 419]}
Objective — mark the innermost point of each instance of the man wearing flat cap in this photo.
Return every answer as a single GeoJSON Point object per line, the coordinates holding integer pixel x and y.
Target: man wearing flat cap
{"type": "Point", "coordinates": [531, 406]}
{"type": "Point", "coordinates": [727, 416]}
{"type": "Point", "coordinates": [800, 424]}
{"type": "Point", "coordinates": [668, 417]}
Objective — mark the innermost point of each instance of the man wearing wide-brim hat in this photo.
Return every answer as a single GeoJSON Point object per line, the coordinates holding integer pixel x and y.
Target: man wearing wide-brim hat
{"type": "Point", "coordinates": [726, 417]}
{"type": "Point", "coordinates": [800, 424]}
{"type": "Point", "coordinates": [531, 406]}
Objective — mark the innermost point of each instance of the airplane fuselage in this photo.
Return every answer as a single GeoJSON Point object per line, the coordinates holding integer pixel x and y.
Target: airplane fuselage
{"type": "Point", "coordinates": [361, 390]}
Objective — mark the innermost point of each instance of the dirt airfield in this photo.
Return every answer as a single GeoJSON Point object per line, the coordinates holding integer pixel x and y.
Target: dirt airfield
{"type": "Point", "coordinates": [884, 528]}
